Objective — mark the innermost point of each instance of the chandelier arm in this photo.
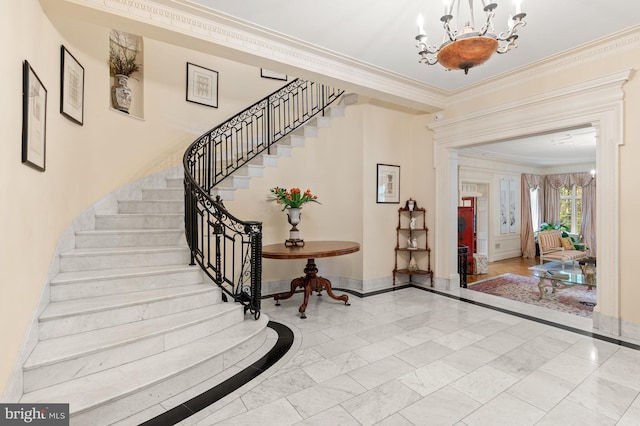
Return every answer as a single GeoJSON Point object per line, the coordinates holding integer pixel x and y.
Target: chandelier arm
{"type": "Point", "coordinates": [512, 31]}
{"type": "Point", "coordinates": [451, 34]}
{"type": "Point", "coordinates": [487, 24]}
{"type": "Point", "coordinates": [429, 60]}
{"type": "Point", "coordinates": [511, 43]}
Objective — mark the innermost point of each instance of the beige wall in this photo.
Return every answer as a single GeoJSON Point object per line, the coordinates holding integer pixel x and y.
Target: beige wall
{"type": "Point", "coordinates": [339, 166]}
{"type": "Point", "coordinates": [84, 163]}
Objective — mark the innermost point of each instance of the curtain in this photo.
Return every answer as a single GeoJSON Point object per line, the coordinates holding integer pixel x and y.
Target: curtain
{"type": "Point", "coordinates": [553, 183]}
{"type": "Point", "coordinates": [527, 242]}
{"type": "Point", "coordinates": [588, 226]}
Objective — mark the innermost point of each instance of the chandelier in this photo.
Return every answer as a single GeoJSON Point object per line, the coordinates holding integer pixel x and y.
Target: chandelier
{"type": "Point", "coordinates": [466, 48]}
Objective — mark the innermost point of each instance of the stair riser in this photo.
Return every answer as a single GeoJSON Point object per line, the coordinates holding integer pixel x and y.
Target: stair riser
{"type": "Point", "coordinates": [283, 150]}
{"type": "Point", "coordinates": [48, 375]}
{"type": "Point", "coordinates": [265, 160]}
{"type": "Point", "coordinates": [310, 131]}
{"type": "Point", "coordinates": [295, 140]}
{"type": "Point", "coordinates": [105, 287]}
{"type": "Point", "coordinates": [151, 206]}
{"type": "Point", "coordinates": [175, 182]}
{"type": "Point", "coordinates": [323, 122]}
{"type": "Point", "coordinates": [241, 182]}
{"type": "Point", "coordinates": [225, 194]}
{"type": "Point", "coordinates": [251, 170]}
{"type": "Point", "coordinates": [131, 239]}
{"type": "Point", "coordinates": [172, 194]}
{"type": "Point", "coordinates": [123, 315]}
{"type": "Point", "coordinates": [142, 221]}
{"type": "Point", "coordinates": [122, 408]}
{"type": "Point", "coordinates": [70, 263]}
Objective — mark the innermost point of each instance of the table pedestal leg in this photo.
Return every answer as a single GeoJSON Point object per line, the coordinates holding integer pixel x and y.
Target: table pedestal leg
{"type": "Point", "coordinates": [310, 282]}
{"type": "Point", "coordinates": [541, 287]}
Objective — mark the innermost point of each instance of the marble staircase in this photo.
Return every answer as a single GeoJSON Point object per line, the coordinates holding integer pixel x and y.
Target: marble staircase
{"type": "Point", "coordinates": [130, 323]}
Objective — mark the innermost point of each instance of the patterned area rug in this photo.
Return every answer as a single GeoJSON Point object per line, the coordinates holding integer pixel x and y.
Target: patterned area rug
{"type": "Point", "coordinates": [577, 300]}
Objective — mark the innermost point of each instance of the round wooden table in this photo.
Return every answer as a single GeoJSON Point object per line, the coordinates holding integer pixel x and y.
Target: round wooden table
{"type": "Point", "coordinates": [311, 281]}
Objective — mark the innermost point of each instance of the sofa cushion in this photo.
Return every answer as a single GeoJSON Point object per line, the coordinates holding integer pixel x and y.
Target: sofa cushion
{"type": "Point", "coordinates": [567, 243]}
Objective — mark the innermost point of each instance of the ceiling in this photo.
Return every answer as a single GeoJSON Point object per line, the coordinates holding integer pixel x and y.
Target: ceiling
{"type": "Point", "coordinates": [382, 33]}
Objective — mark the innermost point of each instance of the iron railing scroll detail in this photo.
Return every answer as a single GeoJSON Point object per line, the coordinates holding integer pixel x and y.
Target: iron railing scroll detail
{"type": "Point", "coordinates": [228, 249]}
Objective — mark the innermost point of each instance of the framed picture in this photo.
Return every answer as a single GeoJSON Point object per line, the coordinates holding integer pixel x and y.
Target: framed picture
{"type": "Point", "coordinates": [34, 118]}
{"type": "Point", "coordinates": [272, 74]}
{"type": "Point", "coordinates": [202, 85]}
{"type": "Point", "coordinates": [388, 184]}
{"type": "Point", "coordinates": [71, 87]}
{"type": "Point", "coordinates": [513, 223]}
{"type": "Point", "coordinates": [504, 227]}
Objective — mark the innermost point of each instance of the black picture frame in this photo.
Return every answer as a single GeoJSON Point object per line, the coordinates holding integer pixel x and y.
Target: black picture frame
{"type": "Point", "coordinates": [272, 75]}
{"type": "Point", "coordinates": [34, 119]}
{"type": "Point", "coordinates": [387, 184]}
{"type": "Point", "coordinates": [202, 85]}
{"type": "Point", "coordinates": [71, 87]}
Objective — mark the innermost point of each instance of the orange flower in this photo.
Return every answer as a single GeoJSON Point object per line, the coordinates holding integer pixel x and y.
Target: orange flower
{"type": "Point", "coordinates": [292, 198]}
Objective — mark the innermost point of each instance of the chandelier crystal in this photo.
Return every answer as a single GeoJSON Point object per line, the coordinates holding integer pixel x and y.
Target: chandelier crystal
{"type": "Point", "coordinates": [467, 47]}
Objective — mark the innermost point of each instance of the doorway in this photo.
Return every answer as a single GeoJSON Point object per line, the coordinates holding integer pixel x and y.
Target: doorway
{"type": "Point", "coordinates": [596, 103]}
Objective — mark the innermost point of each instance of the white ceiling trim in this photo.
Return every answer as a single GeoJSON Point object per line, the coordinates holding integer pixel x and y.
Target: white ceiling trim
{"type": "Point", "coordinates": [486, 127]}
{"type": "Point", "coordinates": [622, 42]}
{"type": "Point", "coordinates": [270, 47]}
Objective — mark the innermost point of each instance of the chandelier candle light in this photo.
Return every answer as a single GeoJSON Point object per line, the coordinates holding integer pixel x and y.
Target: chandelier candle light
{"type": "Point", "coordinates": [466, 48]}
{"type": "Point", "coordinates": [293, 200]}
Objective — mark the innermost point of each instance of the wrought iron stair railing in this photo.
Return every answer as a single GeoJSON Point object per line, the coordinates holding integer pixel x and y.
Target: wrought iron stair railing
{"type": "Point", "coordinates": [228, 249]}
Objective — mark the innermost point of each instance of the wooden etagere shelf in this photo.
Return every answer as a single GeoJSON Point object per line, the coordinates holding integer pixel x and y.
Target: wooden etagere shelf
{"type": "Point", "coordinates": [412, 244]}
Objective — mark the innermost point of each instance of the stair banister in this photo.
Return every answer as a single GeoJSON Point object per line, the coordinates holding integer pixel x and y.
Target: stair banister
{"type": "Point", "coordinates": [228, 249]}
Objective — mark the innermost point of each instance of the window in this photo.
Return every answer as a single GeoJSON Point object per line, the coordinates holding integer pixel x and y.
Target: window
{"type": "Point", "coordinates": [571, 208]}
{"type": "Point", "coordinates": [535, 214]}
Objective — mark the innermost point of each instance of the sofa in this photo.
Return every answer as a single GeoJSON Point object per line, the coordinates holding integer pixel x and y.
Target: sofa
{"type": "Point", "coordinates": [553, 246]}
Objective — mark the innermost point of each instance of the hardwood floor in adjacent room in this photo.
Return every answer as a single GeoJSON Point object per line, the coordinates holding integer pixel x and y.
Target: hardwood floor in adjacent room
{"type": "Point", "coordinates": [516, 265]}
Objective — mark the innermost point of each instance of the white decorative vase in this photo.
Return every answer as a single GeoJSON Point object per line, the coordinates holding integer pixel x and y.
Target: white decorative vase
{"type": "Point", "coordinates": [294, 216]}
{"type": "Point", "coordinates": [121, 93]}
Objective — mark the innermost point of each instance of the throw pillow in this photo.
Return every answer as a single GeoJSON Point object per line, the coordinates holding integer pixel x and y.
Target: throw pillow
{"type": "Point", "coordinates": [567, 243]}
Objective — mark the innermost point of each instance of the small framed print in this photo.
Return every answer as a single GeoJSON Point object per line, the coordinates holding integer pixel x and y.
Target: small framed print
{"type": "Point", "coordinates": [388, 184]}
{"type": "Point", "coordinates": [272, 75]}
{"type": "Point", "coordinates": [34, 119]}
{"type": "Point", "coordinates": [71, 87]}
{"type": "Point", "coordinates": [202, 85]}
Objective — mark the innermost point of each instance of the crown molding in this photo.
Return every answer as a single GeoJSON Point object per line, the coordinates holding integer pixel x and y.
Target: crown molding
{"type": "Point", "coordinates": [483, 126]}
{"type": "Point", "coordinates": [625, 41]}
{"type": "Point", "coordinates": [262, 47]}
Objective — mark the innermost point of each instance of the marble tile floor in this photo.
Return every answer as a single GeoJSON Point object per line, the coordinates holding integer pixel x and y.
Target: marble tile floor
{"type": "Point", "coordinates": [418, 357]}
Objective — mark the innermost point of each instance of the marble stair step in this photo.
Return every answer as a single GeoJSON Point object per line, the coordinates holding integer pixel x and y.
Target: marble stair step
{"type": "Point", "coordinates": [140, 221]}
{"type": "Point", "coordinates": [130, 238]}
{"type": "Point", "coordinates": [66, 358]}
{"type": "Point", "coordinates": [177, 182]}
{"type": "Point", "coordinates": [122, 257]}
{"type": "Point", "coordinates": [163, 194]}
{"type": "Point", "coordinates": [151, 206]}
{"type": "Point", "coordinates": [251, 170]}
{"type": "Point", "coordinates": [226, 193]}
{"type": "Point", "coordinates": [80, 315]}
{"type": "Point", "coordinates": [94, 283]}
{"type": "Point", "coordinates": [120, 392]}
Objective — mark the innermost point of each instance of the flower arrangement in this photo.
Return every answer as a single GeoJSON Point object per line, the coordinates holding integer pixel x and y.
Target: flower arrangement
{"type": "Point", "coordinates": [293, 198]}
{"type": "Point", "coordinates": [123, 54]}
